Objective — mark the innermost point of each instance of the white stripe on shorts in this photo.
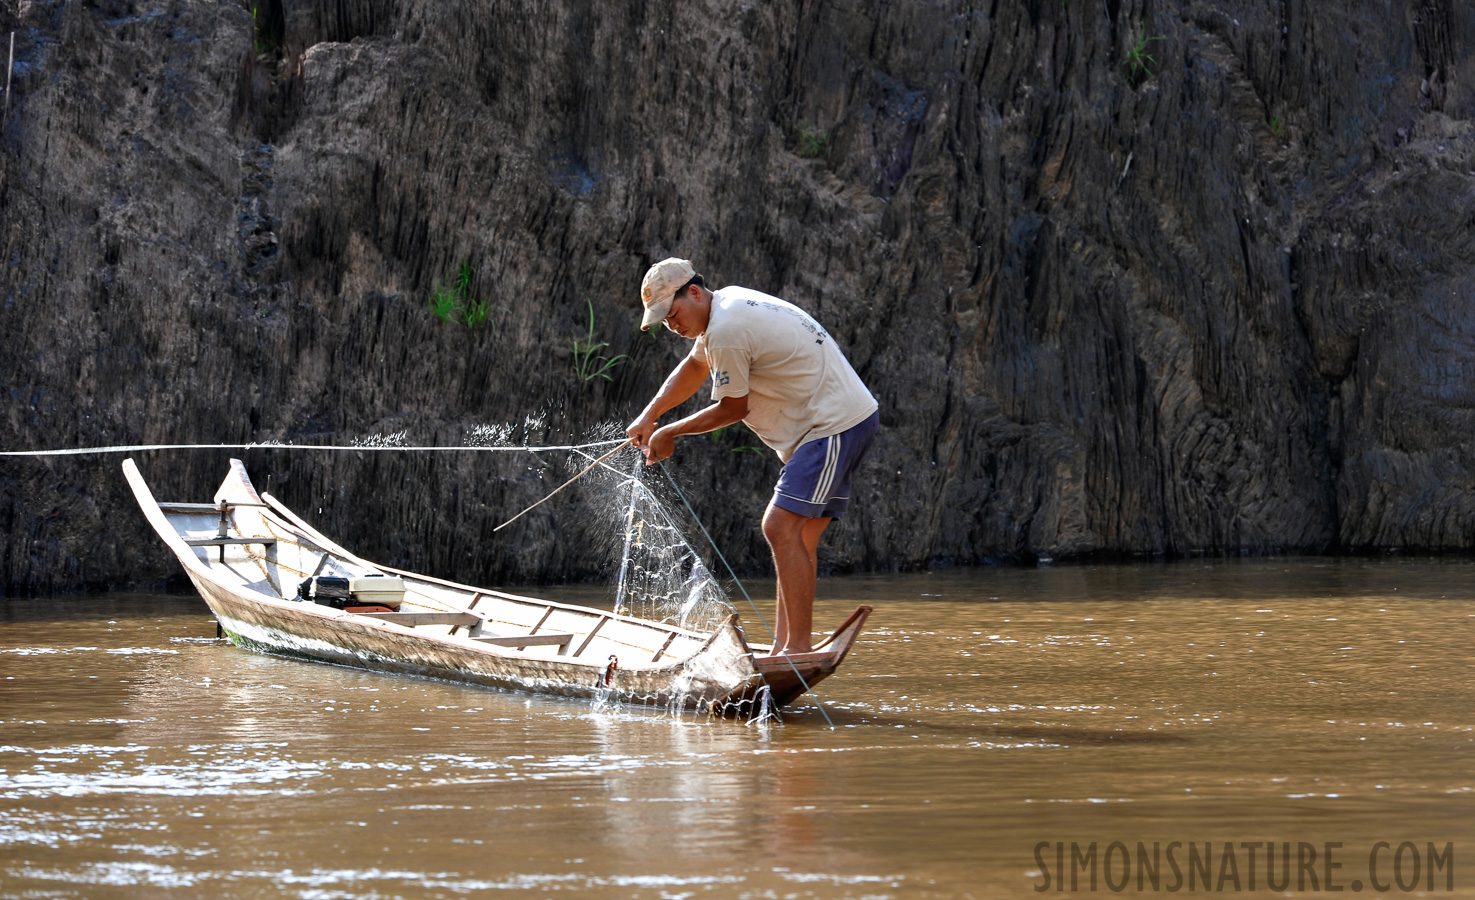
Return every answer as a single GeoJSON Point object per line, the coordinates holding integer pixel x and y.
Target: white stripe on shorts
{"type": "Point", "coordinates": [827, 474]}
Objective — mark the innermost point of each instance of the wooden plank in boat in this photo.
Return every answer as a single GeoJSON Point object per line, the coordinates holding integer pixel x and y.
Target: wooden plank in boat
{"type": "Point", "coordinates": [546, 613]}
{"type": "Point", "coordinates": [669, 638]}
{"type": "Point", "coordinates": [223, 542]}
{"type": "Point", "coordinates": [474, 600]}
{"type": "Point", "coordinates": [413, 619]}
{"type": "Point", "coordinates": [592, 632]}
{"type": "Point", "coordinates": [530, 640]}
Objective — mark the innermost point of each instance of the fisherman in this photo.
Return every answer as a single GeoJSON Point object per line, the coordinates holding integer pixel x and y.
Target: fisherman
{"type": "Point", "coordinates": [774, 368]}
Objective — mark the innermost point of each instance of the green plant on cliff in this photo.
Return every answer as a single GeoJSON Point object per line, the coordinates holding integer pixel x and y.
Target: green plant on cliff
{"type": "Point", "coordinates": [443, 302]}
{"type": "Point", "coordinates": [475, 313]}
{"type": "Point", "coordinates": [446, 302]}
{"type": "Point", "coordinates": [267, 39]}
{"type": "Point", "coordinates": [812, 142]}
{"type": "Point", "coordinates": [1277, 127]}
{"type": "Point", "coordinates": [588, 365]}
{"type": "Point", "coordinates": [1139, 61]}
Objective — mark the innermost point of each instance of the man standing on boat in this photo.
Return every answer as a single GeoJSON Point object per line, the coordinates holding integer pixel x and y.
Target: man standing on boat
{"type": "Point", "coordinates": [774, 368]}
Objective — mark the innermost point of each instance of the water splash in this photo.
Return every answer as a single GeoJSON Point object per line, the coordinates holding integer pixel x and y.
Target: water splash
{"type": "Point", "coordinates": [397, 439]}
{"type": "Point", "coordinates": [767, 711]}
{"type": "Point", "coordinates": [490, 436]}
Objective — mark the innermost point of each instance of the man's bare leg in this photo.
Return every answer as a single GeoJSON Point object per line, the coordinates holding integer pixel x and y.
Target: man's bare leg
{"type": "Point", "coordinates": [794, 540]}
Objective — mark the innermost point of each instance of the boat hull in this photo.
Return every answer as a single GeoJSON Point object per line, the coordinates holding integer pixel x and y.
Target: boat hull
{"type": "Point", "coordinates": [724, 681]}
{"type": "Point", "coordinates": [789, 677]}
{"type": "Point", "coordinates": [245, 552]}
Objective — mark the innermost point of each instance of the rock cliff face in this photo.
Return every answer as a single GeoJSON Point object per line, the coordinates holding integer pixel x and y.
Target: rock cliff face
{"type": "Point", "coordinates": [1127, 276]}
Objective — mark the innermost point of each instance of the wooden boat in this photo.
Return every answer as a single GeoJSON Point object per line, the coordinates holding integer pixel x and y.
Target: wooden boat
{"type": "Point", "coordinates": [248, 554]}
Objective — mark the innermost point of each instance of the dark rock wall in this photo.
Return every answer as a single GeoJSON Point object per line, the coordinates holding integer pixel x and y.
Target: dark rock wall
{"type": "Point", "coordinates": [1126, 277]}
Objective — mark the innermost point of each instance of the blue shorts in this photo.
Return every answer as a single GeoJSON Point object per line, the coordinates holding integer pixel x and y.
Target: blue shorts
{"type": "Point", "coordinates": [815, 482]}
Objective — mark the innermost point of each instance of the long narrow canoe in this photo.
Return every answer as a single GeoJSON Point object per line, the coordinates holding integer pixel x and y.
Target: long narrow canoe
{"type": "Point", "coordinates": [247, 554]}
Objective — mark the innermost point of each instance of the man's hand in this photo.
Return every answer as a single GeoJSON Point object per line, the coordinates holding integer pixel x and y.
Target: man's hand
{"type": "Point", "coordinates": [640, 431]}
{"type": "Point", "coordinates": [661, 445]}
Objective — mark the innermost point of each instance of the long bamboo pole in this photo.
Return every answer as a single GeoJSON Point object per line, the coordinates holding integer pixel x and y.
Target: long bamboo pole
{"type": "Point", "coordinates": [586, 471]}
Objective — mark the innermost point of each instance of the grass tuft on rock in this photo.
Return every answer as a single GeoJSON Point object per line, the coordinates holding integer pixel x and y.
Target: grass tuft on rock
{"type": "Point", "coordinates": [588, 365]}
{"type": "Point", "coordinates": [448, 303]}
{"type": "Point", "coordinates": [1140, 63]}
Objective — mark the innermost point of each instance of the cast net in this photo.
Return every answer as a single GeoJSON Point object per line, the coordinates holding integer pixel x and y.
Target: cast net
{"type": "Point", "coordinates": [658, 575]}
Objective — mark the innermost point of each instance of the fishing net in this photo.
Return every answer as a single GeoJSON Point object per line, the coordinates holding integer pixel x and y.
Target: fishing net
{"type": "Point", "coordinates": [655, 572]}
{"type": "Point", "coordinates": [658, 575]}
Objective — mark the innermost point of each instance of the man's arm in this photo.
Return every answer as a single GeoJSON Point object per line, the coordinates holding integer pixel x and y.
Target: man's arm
{"type": "Point", "coordinates": [722, 413]}
{"type": "Point", "coordinates": [680, 385]}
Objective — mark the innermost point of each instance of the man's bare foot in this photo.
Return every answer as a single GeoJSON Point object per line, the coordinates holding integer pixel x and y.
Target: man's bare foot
{"type": "Point", "coordinates": [791, 651]}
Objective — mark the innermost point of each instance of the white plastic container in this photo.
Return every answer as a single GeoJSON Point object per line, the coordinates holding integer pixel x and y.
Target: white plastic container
{"type": "Point", "coordinates": [383, 590]}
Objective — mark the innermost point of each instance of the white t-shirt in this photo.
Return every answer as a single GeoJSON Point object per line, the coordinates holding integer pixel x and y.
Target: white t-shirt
{"type": "Point", "coordinates": [800, 387]}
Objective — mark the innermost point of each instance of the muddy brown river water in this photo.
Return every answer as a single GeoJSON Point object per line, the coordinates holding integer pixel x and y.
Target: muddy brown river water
{"type": "Point", "coordinates": [1259, 727]}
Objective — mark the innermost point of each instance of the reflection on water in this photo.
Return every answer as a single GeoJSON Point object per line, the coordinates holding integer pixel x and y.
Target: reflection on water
{"type": "Point", "coordinates": [984, 712]}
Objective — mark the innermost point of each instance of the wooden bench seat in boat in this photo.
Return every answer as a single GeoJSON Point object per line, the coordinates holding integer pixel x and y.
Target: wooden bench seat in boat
{"type": "Point", "coordinates": [226, 541]}
{"type": "Point", "coordinates": [413, 619]}
{"type": "Point", "coordinates": [219, 540]}
{"type": "Point", "coordinates": [516, 641]}
{"type": "Point", "coordinates": [531, 640]}
{"type": "Point", "coordinates": [223, 542]}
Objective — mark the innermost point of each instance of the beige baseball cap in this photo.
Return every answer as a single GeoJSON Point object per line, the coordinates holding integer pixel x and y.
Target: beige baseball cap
{"type": "Point", "coordinates": [659, 288]}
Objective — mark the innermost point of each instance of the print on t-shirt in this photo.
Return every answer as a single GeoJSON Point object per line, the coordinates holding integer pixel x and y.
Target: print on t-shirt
{"type": "Point", "coordinates": [810, 325]}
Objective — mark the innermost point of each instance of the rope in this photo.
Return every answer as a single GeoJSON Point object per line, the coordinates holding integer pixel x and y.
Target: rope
{"type": "Point", "coordinates": [564, 485]}
{"type": "Point", "coordinates": [746, 596]}
{"type": "Point", "coordinates": [136, 448]}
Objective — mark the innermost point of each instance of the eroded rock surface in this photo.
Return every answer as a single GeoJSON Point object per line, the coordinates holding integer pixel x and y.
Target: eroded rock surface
{"type": "Point", "coordinates": [1127, 278]}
